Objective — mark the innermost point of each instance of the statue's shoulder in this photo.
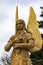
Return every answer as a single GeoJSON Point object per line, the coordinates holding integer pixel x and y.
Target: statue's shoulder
{"type": "Point", "coordinates": [29, 34]}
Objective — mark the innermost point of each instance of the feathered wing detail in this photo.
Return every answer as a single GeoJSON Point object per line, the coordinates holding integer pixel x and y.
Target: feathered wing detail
{"type": "Point", "coordinates": [33, 26]}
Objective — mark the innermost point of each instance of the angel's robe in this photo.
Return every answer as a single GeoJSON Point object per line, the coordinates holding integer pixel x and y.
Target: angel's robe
{"type": "Point", "coordinates": [21, 47]}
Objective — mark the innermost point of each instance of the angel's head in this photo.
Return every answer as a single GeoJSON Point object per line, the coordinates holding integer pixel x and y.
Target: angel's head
{"type": "Point", "coordinates": [20, 24]}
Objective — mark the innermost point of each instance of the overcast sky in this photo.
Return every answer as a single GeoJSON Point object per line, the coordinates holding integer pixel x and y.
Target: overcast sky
{"type": "Point", "coordinates": [7, 16]}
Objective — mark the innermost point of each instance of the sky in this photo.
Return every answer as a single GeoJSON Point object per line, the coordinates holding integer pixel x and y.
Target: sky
{"type": "Point", "coordinates": [7, 17]}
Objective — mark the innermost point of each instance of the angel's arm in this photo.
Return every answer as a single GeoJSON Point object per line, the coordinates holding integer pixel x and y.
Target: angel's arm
{"type": "Point", "coordinates": [24, 45]}
{"type": "Point", "coordinates": [28, 45]}
{"type": "Point", "coordinates": [9, 44]}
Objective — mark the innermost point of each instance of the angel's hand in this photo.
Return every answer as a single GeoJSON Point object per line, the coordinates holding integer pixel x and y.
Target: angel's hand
{"type": "Point", "coordinates": [34, 49]}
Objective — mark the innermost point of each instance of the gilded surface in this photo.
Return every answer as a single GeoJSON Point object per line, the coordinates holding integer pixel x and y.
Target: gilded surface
{"type": "Point", "coordinates": [22, 42]}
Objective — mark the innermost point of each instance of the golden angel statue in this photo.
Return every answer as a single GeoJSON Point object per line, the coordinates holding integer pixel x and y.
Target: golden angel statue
{"type": "Point", "coordinates": [22, 43]}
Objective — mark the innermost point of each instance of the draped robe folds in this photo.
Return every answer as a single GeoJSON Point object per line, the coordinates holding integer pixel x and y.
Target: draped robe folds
{"type": "Point", "coordinates": [21, 48]}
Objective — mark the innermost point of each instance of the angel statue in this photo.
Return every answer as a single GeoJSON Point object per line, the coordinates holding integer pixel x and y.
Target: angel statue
{"type": "Point", "coordinates": [22, 43]}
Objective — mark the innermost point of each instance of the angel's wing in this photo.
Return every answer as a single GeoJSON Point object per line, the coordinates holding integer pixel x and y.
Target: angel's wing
{"type": "Point", "coordinates": [33, 26]}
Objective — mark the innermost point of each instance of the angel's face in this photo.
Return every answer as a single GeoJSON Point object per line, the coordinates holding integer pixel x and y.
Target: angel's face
{"type": "Point", "coordinates": [19, 25]}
